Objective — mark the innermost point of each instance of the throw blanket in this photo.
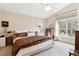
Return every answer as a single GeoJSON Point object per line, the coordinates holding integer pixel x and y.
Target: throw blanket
{"type": "Point", "coordinates": [27, 42]}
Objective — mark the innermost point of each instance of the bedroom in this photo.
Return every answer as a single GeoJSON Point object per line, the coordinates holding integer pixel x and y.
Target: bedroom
{"type": "Point", "coordinates": [38, 19]}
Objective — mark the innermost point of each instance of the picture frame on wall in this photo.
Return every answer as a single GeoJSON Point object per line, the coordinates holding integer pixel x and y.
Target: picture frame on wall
{"type": "Point", "coordinates": [5, 24]}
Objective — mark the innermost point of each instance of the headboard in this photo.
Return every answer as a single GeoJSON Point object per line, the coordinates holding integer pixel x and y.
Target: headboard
{"type": "Point", "coordinates": [22, 34]}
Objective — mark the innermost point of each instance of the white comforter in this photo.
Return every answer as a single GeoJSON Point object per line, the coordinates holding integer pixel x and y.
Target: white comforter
{"type": "Point", "coordinates": [35, 48]}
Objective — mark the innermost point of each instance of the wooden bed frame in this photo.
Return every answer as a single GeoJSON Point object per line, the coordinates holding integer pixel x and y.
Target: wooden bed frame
{"type": "Point", "coordinates": [27, 42]}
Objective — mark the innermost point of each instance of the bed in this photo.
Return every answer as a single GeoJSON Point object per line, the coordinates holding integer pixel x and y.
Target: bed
{"type": "Point", "coordinates": [27, 46]}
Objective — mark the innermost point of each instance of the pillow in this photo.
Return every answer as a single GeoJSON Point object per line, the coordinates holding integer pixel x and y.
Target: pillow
{"type": "Point", "coordinates": [41, 34]}
{"type": "Point", "coordinates": [31, 34]}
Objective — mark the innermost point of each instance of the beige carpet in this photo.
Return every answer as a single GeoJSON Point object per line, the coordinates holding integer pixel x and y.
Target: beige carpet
{"type": "Point", "coordinates": [5, 51]}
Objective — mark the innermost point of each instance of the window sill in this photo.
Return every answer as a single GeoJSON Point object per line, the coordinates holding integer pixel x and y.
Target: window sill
{"type": "Point", "coordinates": [66, 36]}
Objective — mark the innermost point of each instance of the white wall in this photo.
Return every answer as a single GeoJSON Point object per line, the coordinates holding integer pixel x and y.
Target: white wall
{"type": "Point", "coordinates": [20, 22]}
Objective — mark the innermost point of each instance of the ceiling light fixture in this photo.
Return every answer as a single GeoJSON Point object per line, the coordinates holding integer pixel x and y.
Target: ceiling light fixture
{"type": "Point", "coordinates": [46, 7]}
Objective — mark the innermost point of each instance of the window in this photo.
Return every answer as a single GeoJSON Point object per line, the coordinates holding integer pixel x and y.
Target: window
{"type": "Point", "coordinates": [62, 28]}
{"type": "Point", "coordinates": [66, 22]}
{"type": "Point", "coordinates": [66, 26]}
{"type": "Point", "coordinates": [70, 30]}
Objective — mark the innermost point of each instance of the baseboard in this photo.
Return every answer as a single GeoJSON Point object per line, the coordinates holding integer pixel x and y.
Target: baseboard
{"type": "Point", "coordinates": [66, 42]}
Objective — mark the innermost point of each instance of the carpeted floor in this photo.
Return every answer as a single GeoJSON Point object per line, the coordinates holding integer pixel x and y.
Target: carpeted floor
{"type": "Point", "coordinates": [59, 49]}
{"type": "Point", "coordinates": [5, 51]}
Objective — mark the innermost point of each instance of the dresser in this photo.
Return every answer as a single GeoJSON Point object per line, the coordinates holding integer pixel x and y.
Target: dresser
{"type": "Point", "coordinates": [77, 40]}
{"type": "Point", "coordinates": [76, 51]}
{"type": "Point", "coordinates": [50, 32]}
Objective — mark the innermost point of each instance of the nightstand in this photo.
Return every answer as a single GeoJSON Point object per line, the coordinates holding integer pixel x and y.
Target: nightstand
{"type": "Point", "coordinates": [9, 40]}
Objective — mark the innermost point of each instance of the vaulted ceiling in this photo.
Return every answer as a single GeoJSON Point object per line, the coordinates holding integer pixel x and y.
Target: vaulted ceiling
{"type": "Point", "coordinates": [32, 9]}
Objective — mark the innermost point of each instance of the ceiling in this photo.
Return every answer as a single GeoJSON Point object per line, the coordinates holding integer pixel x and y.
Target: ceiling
{"type": "Point", "coordinates": [32, 9]}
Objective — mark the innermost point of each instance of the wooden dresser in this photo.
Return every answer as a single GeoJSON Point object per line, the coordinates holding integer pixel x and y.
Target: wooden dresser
{"type": "Point", "coordinates": [77, 40]}
{"type": "Point", "coordinates": [76, 51]}
{"type": "Point", "coordinates": [50, 32]}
